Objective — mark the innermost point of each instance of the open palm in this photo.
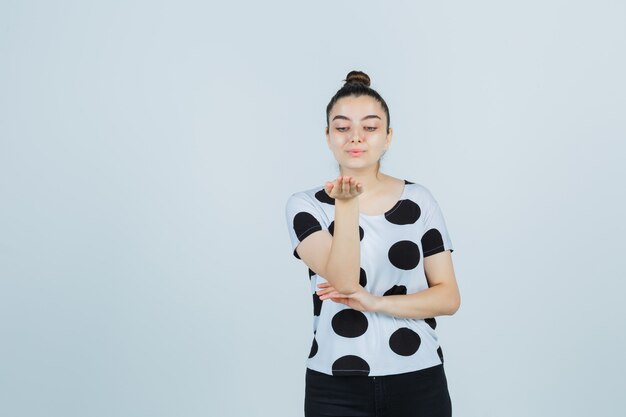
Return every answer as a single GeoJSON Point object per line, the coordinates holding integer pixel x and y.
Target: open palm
{"type": "Point", "coordinates": [360, 300]}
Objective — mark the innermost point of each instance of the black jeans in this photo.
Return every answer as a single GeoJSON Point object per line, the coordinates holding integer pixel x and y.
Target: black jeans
{"type": "Point", "coordinates": [422, 393]}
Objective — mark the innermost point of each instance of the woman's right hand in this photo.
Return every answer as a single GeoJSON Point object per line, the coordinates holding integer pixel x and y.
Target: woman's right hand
{"type": "Point", "coordinates": [343, 188]}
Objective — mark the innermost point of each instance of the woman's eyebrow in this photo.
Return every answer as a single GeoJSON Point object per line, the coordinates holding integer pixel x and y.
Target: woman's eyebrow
{"type": "Point", "coordinates": [371, 116]}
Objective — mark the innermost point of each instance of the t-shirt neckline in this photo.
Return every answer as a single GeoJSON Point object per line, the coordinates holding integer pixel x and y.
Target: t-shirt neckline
{"type": "Point", "coordinates": [392, 209]}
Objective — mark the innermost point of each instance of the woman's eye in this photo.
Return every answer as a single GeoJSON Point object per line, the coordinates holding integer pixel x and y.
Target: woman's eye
{"type": "Point", "coordinates": [341, 129]}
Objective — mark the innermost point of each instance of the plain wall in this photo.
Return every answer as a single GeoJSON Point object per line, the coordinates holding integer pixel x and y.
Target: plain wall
{"type": "Point", "coordinates": [147, 150]}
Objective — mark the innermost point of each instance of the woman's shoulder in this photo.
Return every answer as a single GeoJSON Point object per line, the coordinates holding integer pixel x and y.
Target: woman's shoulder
{"type": "Point", "coordinates": [315, 195]}
{"type": "Point", "coordinates": [417, 190]}
{"type": "Point", "coordinates": [412, 185]}
{"type": "Point", "coordinates": [408, 183]}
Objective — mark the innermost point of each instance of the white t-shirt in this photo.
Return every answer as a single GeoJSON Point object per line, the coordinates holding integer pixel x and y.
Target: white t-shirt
{"type": "Point", "coordinates": [393, 245]}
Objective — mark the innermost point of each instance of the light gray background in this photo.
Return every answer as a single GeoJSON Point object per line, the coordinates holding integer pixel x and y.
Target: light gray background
{"type": "Point", "coordinates": [148, 148]}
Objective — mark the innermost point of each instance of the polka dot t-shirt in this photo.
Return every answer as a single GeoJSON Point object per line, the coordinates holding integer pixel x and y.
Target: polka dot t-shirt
{"type": "Point", "coordinates": [393, 246]}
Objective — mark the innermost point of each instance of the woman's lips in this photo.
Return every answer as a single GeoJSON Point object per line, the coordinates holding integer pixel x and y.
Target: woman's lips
{"type": "Point", "coordinates": [356, 153]}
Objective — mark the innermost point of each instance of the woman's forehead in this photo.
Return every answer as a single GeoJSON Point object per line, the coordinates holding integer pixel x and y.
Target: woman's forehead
{"type": "Point", "coordinates": [357, 108]}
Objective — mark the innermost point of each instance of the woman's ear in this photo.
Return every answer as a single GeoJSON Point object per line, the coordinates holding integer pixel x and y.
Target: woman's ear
{"type": "Point", "coordinates": [389, 137]}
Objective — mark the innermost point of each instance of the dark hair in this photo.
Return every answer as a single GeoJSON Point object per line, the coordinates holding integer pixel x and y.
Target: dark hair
{"type": "Point", "coordinates": [357, 84]}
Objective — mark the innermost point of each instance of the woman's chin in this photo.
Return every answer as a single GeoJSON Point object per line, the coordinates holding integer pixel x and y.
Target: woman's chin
{"type": "Point", "coordinates": [357, 165]}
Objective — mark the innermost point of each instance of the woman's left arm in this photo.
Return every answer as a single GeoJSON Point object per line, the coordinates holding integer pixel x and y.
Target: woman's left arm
{"type": "Point", "coordinates": [441, 298]}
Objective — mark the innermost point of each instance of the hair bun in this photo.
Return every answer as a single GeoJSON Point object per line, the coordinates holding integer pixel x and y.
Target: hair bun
{"type": "Point", "coordinates": [360, 77]}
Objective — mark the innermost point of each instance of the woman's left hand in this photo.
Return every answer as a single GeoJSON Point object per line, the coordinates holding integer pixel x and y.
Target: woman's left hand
{"type": "Point", "coordinates": [360, 300]}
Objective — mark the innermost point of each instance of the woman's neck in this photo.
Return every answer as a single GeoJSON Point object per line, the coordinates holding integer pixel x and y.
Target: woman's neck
{"type": "Point", "coordinates": [371, 180]}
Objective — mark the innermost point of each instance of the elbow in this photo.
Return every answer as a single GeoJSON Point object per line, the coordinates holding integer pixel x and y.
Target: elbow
{"type": "Point", "coordinates": [348, 289]}
{"type": "Point", "coordinates": [338, 281]}
{"type": "Point", "coordinates": [344, 287]}
{"type": "Point", "coordinates": [453, 304]}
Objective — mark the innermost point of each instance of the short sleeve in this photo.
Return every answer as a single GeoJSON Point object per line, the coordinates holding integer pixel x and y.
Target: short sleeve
{"type": "Point", "coordinates": [303, 218]}
{"type": "Point", "coordinates": [436, 237]}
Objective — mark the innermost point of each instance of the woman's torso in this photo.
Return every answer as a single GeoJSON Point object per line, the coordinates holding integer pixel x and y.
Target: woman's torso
{"type": "Point", "coordinates": [350, 342]}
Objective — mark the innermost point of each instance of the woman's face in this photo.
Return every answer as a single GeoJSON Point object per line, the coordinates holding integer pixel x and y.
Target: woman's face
{"type": "Point", "coordinates": [356, 132]}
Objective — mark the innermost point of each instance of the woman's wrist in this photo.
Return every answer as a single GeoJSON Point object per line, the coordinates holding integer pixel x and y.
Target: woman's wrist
{"type": "Point", "coordinates": [352, 203]}
{"type": "Point", "coordinates": [379, 304]}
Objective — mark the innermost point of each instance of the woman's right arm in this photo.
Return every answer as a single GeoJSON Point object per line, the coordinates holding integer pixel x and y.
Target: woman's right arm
{"type": "Point", "coordinates": [337, 257]}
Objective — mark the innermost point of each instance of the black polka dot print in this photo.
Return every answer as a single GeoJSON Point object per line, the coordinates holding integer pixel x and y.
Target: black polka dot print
{"type": "Point", "coordinates": [432, 242]}
{"type": "Point", "coordinates": [404, 212]}
{"type": "Point", "coordinates": [350, 365]}
{"type": "Point", "coordinates": [322, 197]}
{"type": "Point", "coordinates": [440, 353]}
{"type": "Point", "coordinates": [396, 290]}
{"type": "Point", "coordinates": [362, 278]}
{"type": "Point", "coordinates": [404, 254]}
{"type": "Point", "coordinates": [392, 247]}
{"type": "Point", "coordinates": [304, 224]}
{"type": "Point", "coordinates": [313, 348]}
{"type": "Point", "coordinates": [349, 323]}
{"type": "Point", "coordinates": [317, 304]}
{"type": "Point", "coordinates": [404, 341]}
{"type": "Point", "coordinates": [331, 230]}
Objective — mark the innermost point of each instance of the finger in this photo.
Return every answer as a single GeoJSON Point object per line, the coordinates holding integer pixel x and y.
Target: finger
{"type": "Point", "coordinates": [345, 185]}
{"type": "Point", "coordinates": [337, 185]}
{"type": "Point", "coordinates": [352, 186]}
{"type": "Point", "coordinates": [336, 294]}
{"type": "Point", "coordinates": [331, 294]}
{"type": "Point", "coordinates": [340, 300]}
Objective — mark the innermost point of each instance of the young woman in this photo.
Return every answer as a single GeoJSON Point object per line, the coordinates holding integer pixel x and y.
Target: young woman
{"type": "Point", "coordinates": [379, 259]}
